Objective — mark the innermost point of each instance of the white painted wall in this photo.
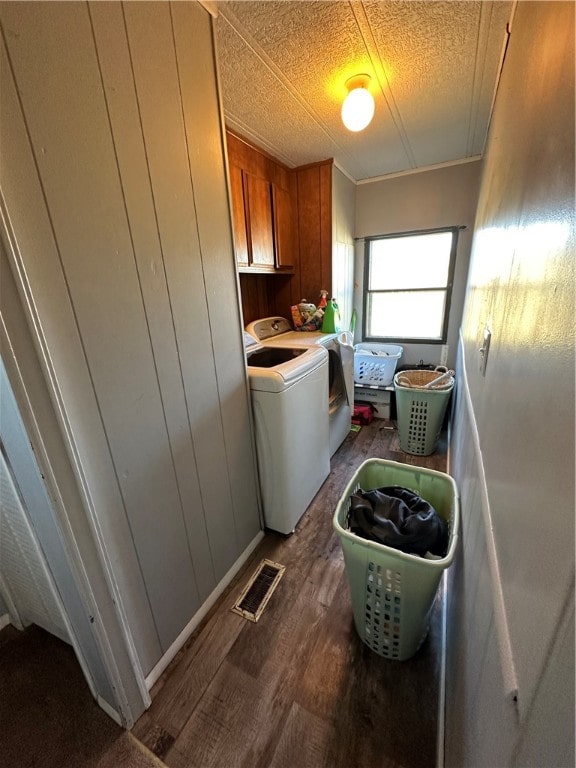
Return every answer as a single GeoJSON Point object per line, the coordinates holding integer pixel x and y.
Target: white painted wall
{"type": "Point", "coordinates": [37, 577]}
{"type": "Point", "coordinates": [25, 579]}
{"type": "Point", "coordinates": [441, 197]}
{"type": "Point", "coordinates": [118, 233]}
{"type": "Point", "coordinates": [511, 612]}
{"type": "Point", "coordinates": [343, 213]}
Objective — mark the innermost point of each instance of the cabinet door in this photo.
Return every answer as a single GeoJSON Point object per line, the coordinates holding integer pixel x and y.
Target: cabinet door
{"type": "Point", "coordinates": [259, 207]}
{"type": "Point", "coordinates": [283, 227]}
{"type": "Point", "coordinates": [238, 216]}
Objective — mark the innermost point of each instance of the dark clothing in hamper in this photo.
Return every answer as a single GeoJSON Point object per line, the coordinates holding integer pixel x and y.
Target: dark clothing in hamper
{"type": "Point", "coordinates": [398, 518]}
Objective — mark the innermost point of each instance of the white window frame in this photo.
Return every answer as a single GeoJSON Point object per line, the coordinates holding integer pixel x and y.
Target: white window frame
{"type": "Point", "coordinates": [446, 287]}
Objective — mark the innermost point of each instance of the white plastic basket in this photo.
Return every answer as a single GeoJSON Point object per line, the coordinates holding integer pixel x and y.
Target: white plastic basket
{"type": "Point", "coordinates": [376, 363]}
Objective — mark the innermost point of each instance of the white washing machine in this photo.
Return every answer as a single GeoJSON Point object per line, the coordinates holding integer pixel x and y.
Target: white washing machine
{"type": "Point", "coordinates": [288, 391]}
{"type": "Point", "coordinates": [277, 331]}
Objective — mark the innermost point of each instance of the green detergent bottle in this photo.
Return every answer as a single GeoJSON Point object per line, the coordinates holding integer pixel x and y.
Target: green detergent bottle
{"type": "Point", "coordinates": [331, 319]}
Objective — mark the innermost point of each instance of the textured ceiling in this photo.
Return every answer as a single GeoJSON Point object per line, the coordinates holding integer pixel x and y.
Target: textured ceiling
{"type": "Point", "coordinates": [434, 67]}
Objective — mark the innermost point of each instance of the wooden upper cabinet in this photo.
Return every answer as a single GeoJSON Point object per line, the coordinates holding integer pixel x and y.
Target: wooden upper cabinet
{"type": "Point", "coordinates": [258, 197]}
{"type": "Point", "coordinates": [263, 210]}
{"type": "Point", "coordinates": [239, 216]}
{"type": "Point", "coordinates": [283, 227]}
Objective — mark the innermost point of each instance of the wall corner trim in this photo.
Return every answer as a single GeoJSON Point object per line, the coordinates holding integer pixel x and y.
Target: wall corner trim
{"type": "Point", "coordinates": [345, 172]}
{"type": "Point", "coordinates": [4, 620]}
{"type": "Point", "coordinates": [103, 704]}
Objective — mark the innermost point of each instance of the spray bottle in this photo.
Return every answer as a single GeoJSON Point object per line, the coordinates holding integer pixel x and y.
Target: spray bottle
{"type": "Point", "coordinates": [331, 320]}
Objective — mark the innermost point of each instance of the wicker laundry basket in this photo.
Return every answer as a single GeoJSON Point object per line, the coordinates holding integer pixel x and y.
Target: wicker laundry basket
{"type": "Point", "coordinates": [420, 411]}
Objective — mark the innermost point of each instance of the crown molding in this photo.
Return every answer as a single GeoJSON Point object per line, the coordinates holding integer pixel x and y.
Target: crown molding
{"type": "Point", "coordinates": [423, 169]}
{"type": "Point", "coordinates": [211, 6]}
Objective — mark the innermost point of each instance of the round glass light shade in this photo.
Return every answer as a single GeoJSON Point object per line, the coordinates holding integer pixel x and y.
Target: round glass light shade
{"type": "Point", "coordinates": [358, 109]}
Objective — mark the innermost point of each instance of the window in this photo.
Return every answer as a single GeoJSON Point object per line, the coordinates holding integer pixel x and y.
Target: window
{"type": "Point", "coordinates": [408, 282]}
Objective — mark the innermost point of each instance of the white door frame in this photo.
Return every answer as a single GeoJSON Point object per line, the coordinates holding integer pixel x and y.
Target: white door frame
{"type": "Point", "coordinates": [100, 634]}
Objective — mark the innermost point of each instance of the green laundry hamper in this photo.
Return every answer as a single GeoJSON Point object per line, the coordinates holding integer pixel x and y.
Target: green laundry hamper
{"type": "Point", "coordinates": [420, 410]}
{"type": "Point", "coordinates": [393, 592]}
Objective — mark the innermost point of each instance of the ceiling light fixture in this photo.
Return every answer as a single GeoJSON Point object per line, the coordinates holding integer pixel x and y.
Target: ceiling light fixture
{"type": "Point", "coordinates": [358, 106]}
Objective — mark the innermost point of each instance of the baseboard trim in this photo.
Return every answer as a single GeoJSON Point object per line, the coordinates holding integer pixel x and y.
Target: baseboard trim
{"type": "Point", "coordinates": [441, 731]}
{"type": "Point", "coordinates": [157, 670]}
{"type": "Point", "coordinates": [441, 734]}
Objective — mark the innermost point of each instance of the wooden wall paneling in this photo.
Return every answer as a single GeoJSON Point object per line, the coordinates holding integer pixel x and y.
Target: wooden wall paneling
{"type": "Point", "coordinates": [53, 209]}
{"type": "Point", "coordinates": [309, 232]}
{"type": "Point", "coordinates": [243, 155]}
{"type": "Point", "coordinates": [315, 228]}
{"type": "Point", "coordinates": [240, 522]}
{"type": "Point", "coordinates": [295, 278]}
{"type": "Point", "coordinates": [149, 28]}
{"type": "Point", "coordinates": [294, 290]}
{"type": "Point", "coordinates": [282, 292]}
{"type": "Point", "coordinates": [255, 300]}
{"type": "Point", "coordinates": [82, 185]}
{"type": "Point", "coordinates": [280, 295]}
{"type": "Point", "coordinates": [122, 103]}
{"type": "Point", "coordinates": [282, 177]}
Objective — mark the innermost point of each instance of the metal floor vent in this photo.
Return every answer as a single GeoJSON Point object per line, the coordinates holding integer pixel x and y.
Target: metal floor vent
{"type": "Point", "coordinates": [259, 589]}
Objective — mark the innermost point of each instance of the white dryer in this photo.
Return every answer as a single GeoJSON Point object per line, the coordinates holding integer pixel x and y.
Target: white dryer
{"type": "Point", "coordinates": [287, 388]}
{"type": "Point", "coordinates": [277, 331]}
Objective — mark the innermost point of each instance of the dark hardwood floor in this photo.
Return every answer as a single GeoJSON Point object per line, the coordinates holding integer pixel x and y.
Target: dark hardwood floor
{"type": "Point", "coordinates": [299, 689]}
